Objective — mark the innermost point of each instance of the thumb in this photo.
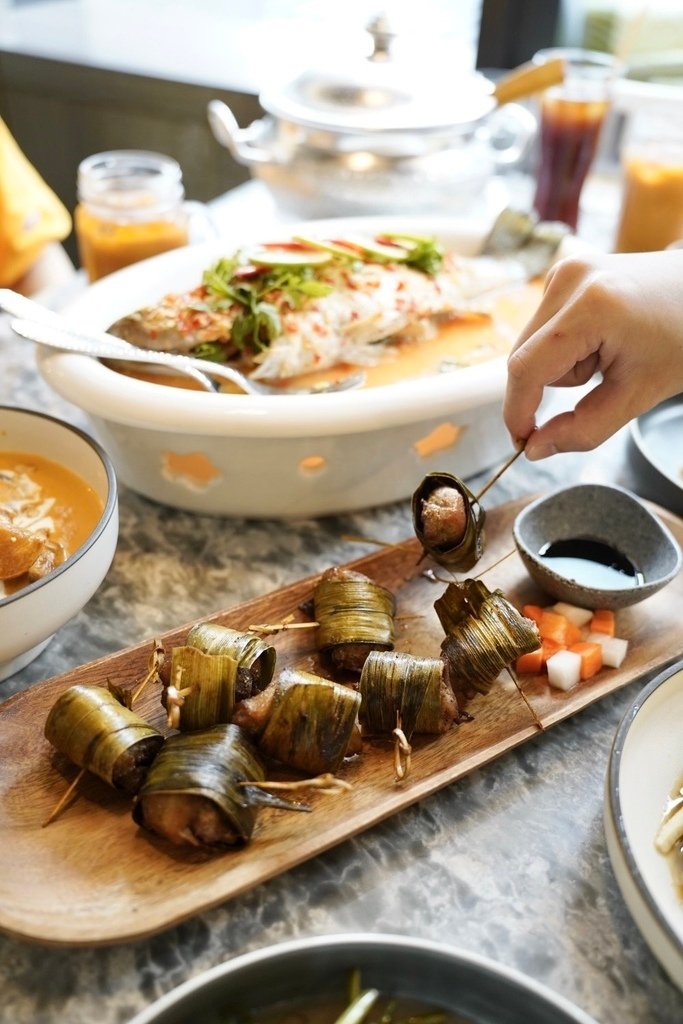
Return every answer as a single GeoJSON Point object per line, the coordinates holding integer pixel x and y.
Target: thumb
{"type": "Point", "coordinates": [598, 415]}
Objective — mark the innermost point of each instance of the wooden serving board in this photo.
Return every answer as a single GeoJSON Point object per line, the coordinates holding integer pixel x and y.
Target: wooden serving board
{"type": "Point", "coordinates": [92, 877]}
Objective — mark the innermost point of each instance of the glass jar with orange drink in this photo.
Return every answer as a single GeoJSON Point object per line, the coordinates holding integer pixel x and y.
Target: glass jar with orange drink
{"type": "Point", "coordinates": [651, 214]}
{"type": "Point", "coordinates": [131, 206]}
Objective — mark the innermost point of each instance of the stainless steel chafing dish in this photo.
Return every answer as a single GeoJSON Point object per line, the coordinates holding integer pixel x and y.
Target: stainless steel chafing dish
{"type": "Point", "coordinates": [378, 135]}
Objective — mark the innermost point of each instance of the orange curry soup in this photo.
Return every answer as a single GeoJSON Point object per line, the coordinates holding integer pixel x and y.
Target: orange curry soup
{"type": "Point", "coordinates": [76, 510]}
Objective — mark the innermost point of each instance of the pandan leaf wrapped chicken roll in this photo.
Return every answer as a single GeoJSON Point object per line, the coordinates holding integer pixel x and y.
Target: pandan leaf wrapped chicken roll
{"type": "Point", "coordinates": [254, 656]}
{"type": "Point", "coordinates": [95, 731]}
{"type": "Point", "coordinates": [485, 635]}
{"type": "Point", "coordinates": [201, 689]}
{"type": "Point", "coordinates": [303, 721]}
{"type": "Point", "coordinates": [355, 615]}
{"type": "Point", "coordinates": [415, 688]}
{"type": "Point", "coordinates": [448, 521]}
{"type": "Point", "coordinates": [193, 794]}
{"type": "Point", "coordinates": [459, 601]}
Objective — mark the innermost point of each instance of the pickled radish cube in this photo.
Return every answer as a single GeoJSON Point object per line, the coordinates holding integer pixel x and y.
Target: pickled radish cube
{"type": "Point", "coordinates": [564, 669]}
{"type": "Point", "coordinates": [579, 616]}
{"type": "Point", "coordinates": [613, 650]}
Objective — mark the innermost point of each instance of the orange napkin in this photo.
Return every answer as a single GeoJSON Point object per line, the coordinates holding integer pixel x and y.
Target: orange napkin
{"type": "Point", "coordinates": [31, 215]}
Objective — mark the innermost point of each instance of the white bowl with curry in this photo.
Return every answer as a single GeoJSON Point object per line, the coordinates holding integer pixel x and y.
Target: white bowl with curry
{"type": "Point", "coordinates": [425, 309]}
{"type": "Point", "coordinates": [58, 529]}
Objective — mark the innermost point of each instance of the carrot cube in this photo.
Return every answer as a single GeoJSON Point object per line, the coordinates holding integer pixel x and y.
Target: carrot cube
{"type": "Point", "coordinates": [533, 612]}
{"type": "Point", "coordinates": [531, 663]}
{"type": "Point", "coordinates": [574, 634]}
{"type": "Point", "coordinates": [591, 658]}
{"type": "Point", "coordinates": [554, 626]}
{"type": "Point", "coordinates": [603, 621]}
{"type": "Point", "coordinates": [549, 647]}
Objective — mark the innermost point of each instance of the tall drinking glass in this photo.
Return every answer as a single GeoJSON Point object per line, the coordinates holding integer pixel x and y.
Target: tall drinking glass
{"type": "Point", "coordinates": [572, 115]}
{"type": "Point", "coordinates": [651, 214]}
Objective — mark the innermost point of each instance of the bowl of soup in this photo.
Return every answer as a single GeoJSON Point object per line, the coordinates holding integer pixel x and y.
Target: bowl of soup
{"type": "Point", "coordinates": [58, 529]}
{"type": "Point", "coordinates": [313, 980]}
{"type": "Point", "coordinates": [430, 402]}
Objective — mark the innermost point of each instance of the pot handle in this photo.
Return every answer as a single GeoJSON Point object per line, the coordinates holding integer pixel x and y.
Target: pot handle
{"type": "Point", "coordinates": [508, 132]}
{"type": "Point", "coordinates": [239, 141]}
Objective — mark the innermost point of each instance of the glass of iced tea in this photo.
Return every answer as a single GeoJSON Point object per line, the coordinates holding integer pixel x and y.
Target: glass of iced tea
{"type": "Point", "coordinates": [571, 117]}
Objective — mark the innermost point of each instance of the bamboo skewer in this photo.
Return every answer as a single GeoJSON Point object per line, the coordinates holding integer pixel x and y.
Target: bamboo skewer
{"type": "Point", "coordinates": [63, 799]}
{"type": "Point", "coordinates": [325, 783]}
{"type": "Point", "coordinates": [489, 568]}
{"type": "Point", "coordinates": [496, 476]}
{"type": "Point", "coordinates": [515, 680]}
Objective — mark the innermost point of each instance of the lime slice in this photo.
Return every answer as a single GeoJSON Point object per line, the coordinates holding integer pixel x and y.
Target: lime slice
{"type": "Point", "coordinates": [289, 257]}
{"type": "Point", "coordinates": [370, 249]}
{"type": "Point", "coordinates": [408, 240]}
{"type": "Point", "coordinates": [326, 246]}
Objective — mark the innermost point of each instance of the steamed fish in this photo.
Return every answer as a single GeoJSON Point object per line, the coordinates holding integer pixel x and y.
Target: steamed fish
{"type": "Point", "coordinates": [284, 309]}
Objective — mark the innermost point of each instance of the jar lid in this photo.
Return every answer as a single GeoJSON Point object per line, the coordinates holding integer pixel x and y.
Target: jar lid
{"type": "Point", "coordinates": [129, 177]}
{"type": "Point", "coordinates": [381, 94]}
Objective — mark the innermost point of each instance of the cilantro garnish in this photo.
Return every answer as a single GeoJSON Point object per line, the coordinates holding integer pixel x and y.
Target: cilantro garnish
{"type": "Point", "coordinates": [263, 292]}
{"type": "Point", "coordinates": [258, 323]}
{"type": "Point", "coordinates": [426, 255]}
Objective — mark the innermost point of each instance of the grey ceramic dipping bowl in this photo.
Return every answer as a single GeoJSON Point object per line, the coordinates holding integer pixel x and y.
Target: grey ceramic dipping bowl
{"type": "Point", "coordinates": [310, 971]}
{"type": "Point", "coordinates": [602, 513]}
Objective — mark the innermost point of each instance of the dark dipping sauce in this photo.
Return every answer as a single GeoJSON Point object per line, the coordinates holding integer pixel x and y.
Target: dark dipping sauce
{"type": "Point", "coordinates": [591, 563]}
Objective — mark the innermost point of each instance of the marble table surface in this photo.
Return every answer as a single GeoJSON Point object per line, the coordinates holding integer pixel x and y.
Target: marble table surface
{"type": "Point", "coordinates": [509, 863]}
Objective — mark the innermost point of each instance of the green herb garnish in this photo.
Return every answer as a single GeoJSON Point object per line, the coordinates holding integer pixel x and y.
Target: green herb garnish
{"type": "Point", "coordinates": [256, 327]}
{"type": "Point", "coordinates": [424, 253]}
{"type": "Point", "coordinates": [212, 351]}
{"type": "Point", "coordinates": [258, 324]}
{"type": "Point", "coordinates": [263, 292]}
{"type": "Point", "coordinates": [426, 256]}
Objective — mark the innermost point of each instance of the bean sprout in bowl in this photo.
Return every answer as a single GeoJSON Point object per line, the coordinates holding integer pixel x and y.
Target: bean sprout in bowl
{"type": "Point", "coordinates": [295, 454]}
{"type": "Point", "coordinates": [58, 504]}
{"type": "Point", "coordinates": [307, 980]}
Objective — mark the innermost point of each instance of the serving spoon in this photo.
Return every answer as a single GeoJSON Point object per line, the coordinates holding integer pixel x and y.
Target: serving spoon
{"type": "Point", "coordinates": [40, 324]}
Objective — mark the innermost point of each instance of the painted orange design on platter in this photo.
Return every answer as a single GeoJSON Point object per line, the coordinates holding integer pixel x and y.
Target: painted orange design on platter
{"type": "Point", "coordinates": [312, 464]}
{"type": "Point", "coordinates": [441, 438]}
{"type": "Point", "coordinates": [193, 470]}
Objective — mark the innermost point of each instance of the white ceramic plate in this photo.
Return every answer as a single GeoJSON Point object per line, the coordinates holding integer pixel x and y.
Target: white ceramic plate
{"type": "Point", "coordinates": [256, 452]}
{"type": "Point", "coordinates": [143, 283]}
{"type": "Point", "coordinates": [645, 763]}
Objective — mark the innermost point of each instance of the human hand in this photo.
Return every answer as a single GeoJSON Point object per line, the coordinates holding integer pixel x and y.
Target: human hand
{"type": "Point", "coordinates": [619, 315]}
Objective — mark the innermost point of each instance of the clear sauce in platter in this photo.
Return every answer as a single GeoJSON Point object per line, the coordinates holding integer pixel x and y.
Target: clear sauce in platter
{"type": "Point", "coordinates": [462, 341]}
